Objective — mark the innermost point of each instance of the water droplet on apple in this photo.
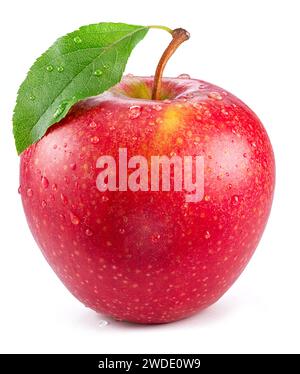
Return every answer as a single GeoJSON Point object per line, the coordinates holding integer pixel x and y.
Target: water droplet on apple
{"type": "Point", "coordinates": [29, 192]}
{"type": "Point", "coordinates": [155, 237]}
{"type": "Point", "coordinates": [32, 97]}
{"type": "Point", "coordinates": [184, 76]}
{"type": "Point", "coordinates": [60, 69]}
{"type": "Point", "coordinates": [98, 72]}
{"type": "Point", "coordinates": [74, 219]}
{"type": "Point", "coordinates": [121, 231]}
{"type": "Point", "coordinates": [63, 199]}
{"type": "Point", "coordinates": [66, 180]}
{"type": "Point", "coordinates": [19, 190]}
{"type": "Point", "coordinates": [224, 111]}
{"type": "Point", "coordinates": [45, 182]}
{"type": "Point", "coordinates": [77, 40]}
{"type": "Point", "coordinates": [49, 68]}
{"type": "Point", "coordinates": [73, 166]}
{"type": "Point", "coordinates": [245, 155]}
{"type": "Point", "coordinates": [229, 187]}
{"type": "Point", "coordinates": [104, 198]}
{"type": "Point", "coordinates": [103, 323]}
{"type": "Point", "coordinates": [92, 125]}
{"type": "Point", "coordinates": [134, 111]}
{"type": "Point", "coordinates": [54, 146]}
{"type": "Point", "coordinates": [253, 144]}
{"type": "Point", "coordinates": [235, 200]}
{"type": "Point", "coordinates": [196, 105]}
{"type": "Point", "coordinates": [89, 232]}
{"type": "Point", "coordinates": [215, 96]}
{"type": "Point", "coordinates": [157, 107]}
{"type": "Point", "coordinates": [95, 139]}
{"type": "Point", "coordinates": [207, 235]}
{"type": "Point", "coordinates": [44, 204]}
{"type": "Point", "coordinates": [54, 187]}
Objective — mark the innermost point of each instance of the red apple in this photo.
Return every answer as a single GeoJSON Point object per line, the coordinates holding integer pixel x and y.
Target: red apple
{"type": "Point", "coordinates": [150, 256]}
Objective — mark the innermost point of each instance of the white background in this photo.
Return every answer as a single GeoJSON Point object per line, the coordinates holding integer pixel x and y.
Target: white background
{"type": "Point", "coordinates": [251, 48]}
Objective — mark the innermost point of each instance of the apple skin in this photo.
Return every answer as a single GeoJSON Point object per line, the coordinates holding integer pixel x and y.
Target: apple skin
{"type": "Point", "coordinates": [150, 257]}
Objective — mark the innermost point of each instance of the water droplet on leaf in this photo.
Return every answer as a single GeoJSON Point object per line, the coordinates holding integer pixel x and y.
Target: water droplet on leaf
{"type": "Point", "coordinates": [32, 97]}
{"type": "Point", "coordinates": [98, 72]}
{"type": "Point", "coordinates": [61, 108]}
{"type": "Point", "coordinates": [77, 40]}
{"type": "Point", "coordinates": [49, 68]}
{"type": "Point", "coordinates": [60, 69]}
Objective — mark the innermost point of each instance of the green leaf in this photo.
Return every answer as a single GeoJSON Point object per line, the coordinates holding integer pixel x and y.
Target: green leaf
{"type": "Point", "coordinates": [78, 65]}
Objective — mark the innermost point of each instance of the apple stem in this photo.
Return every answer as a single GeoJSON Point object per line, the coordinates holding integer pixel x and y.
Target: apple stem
{"type": "Point", "coordinates": [178, 37]}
